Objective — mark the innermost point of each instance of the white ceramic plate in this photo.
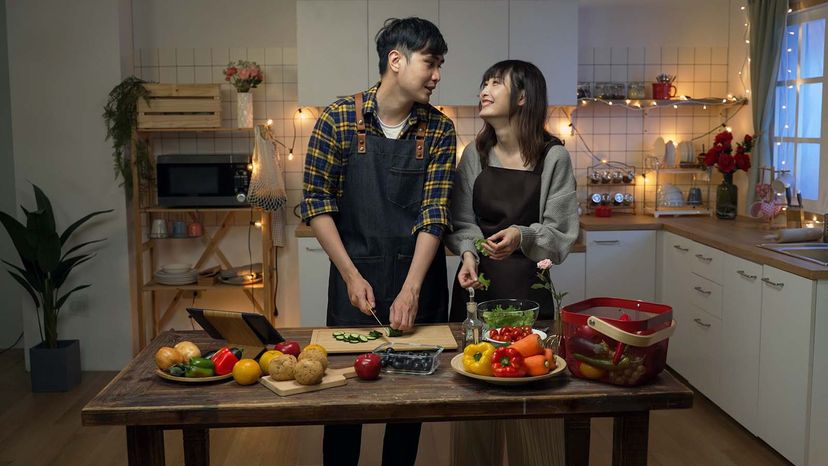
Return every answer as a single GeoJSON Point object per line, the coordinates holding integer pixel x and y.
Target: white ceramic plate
{"type": "Point", "coordinates": [457, 365]}
{"type": "Point", "coordinates": [215, 378]}
{"type": "Point", "coordinates": [540, 333]}
{"type": "Point", "coordinates": [176, 268]}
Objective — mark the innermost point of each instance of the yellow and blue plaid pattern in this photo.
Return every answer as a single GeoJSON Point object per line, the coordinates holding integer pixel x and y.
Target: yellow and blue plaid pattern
{"type": "Point", "coordinates": [330, 146]}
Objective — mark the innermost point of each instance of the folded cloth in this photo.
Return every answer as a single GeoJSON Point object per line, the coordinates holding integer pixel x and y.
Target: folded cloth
{"type": "Point", "coordinates": [797, 235]}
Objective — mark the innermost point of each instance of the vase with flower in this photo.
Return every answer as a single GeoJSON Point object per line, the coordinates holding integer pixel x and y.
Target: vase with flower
{"type": "Point", "coordinates": [556, 334]}
{"type": "Point", "coordinates": [244, 75]}
{"type": "Point", "coordinates": [722, 157]}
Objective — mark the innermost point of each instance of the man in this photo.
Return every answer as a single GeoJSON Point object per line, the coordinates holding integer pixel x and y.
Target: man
{"type": "Point", "coordinates": [378, 177]}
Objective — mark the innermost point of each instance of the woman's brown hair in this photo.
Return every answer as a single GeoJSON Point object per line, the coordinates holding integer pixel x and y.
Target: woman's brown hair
{"type": "Point", "coordinates": [533, 139]}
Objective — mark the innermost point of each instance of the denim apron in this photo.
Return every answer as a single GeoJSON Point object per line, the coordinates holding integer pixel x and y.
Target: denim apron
{"type": "Point", "coordinates": [380, 204]}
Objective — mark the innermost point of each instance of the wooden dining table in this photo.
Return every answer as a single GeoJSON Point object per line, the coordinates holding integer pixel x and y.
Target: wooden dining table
{"type": "Point", "coordinates": [146, 404]}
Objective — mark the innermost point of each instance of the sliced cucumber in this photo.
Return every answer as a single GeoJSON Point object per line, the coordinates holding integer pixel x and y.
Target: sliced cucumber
{"type": "Point", "coordinates": [336, 334]}
{"type": "Point", "coordinates": [363, 338]}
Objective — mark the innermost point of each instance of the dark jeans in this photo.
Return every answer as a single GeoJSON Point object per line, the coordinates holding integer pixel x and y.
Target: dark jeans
{"type": "Point", "coordinates": [341, 444]}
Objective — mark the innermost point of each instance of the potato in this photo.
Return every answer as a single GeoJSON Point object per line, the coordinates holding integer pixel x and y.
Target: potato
{"type": "Point", "coordinates": [188, 349]}
{"type": "Point", "coordinates": [282, 367]}
{"type": "Point", "coordinates": [315, 355]}
{"type": "Point", "coordinates": [166, 357]}
{"type": "Point", "coordinates": [308, 372]}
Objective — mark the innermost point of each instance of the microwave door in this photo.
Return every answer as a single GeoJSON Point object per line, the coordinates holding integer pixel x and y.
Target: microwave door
{"type": "Point", "coordinates": [197, 185]}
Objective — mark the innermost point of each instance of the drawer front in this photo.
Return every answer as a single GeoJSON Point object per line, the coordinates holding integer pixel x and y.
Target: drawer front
{"type": "Point", "coordinates": [705, 295]}
{"type": "Point", "coordinates": [679, 250]}
{"type": "Point", "coordinates": [707, 262]}
{"type": "Point", "coordinates": [706, 334]}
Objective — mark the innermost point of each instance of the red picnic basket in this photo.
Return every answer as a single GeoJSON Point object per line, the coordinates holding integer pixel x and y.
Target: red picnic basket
{"type": "Point", "coordinates": [617, 341]}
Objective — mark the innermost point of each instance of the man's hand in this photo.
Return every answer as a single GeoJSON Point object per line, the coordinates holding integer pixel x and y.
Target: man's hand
{"type": "Point", "coordinates": [404, 309]}
{"type": "Point", "coordinates": [467, 276]}
{"type": "Point", "coordinates": [361, 294]}
{"type": "Point", "coordinates": [505, 243]}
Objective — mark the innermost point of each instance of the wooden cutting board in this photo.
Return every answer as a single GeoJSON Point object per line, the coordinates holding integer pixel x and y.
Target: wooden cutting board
{"type": "Point", "coordinates": [332, 378]}
{"type": "Point", "coordinates": [439, 335]}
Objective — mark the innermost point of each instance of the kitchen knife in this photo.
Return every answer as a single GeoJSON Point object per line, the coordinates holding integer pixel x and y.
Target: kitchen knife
{"type": "Point", "coordinates": [799, 198]}
{"type": "Point", "coordinates": [377, 318]}
{"type": "Point", "coordinates": [788, 195]}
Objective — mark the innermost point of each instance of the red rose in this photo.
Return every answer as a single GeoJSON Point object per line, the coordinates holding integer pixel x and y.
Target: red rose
{"type": "Point", "coordinates": [748, 138]}
{"type": "Point", "coordinates": [726, 163]}
{"type": "Point", "coordinates": [724, 138]}
{"type": "Point", "coordinates": [712, 156]}
{"type": "Point", "coordinates": [743, 161]}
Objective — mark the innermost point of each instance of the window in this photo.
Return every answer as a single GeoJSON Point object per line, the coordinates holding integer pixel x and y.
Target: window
{"type": "Point", "coordinates": [799, 125]}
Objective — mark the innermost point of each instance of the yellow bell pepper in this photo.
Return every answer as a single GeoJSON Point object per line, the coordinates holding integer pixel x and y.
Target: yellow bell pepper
{"type": "Point", "coordinates": [477, 359]}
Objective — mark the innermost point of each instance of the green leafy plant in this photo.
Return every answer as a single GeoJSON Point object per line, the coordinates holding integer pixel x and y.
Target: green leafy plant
{"type": "Point", "coordinates": [121, 117]}
{"type": "Point", "coordinates": [478, 244]}
{"type": "Point", "coordinates": [45, 264]}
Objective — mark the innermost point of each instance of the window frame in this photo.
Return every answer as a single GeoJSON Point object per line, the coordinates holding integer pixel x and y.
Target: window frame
{"type": "Point", "coordinates": [798, 19]}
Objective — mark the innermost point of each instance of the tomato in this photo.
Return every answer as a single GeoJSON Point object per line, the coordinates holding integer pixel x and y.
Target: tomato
{"type": "Point", "coordinates": [493, 334]}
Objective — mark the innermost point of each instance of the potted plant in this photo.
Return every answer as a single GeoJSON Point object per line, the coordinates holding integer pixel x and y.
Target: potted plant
{"type": "Point", "coordinates": [46, 264]}
{"type": "Point", "coordinates": [721, 155]}
{"type": "Point", "coordinates": [121, 118]}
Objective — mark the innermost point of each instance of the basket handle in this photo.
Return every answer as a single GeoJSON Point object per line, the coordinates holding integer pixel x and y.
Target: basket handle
{"type": "Point", "coordinates": [630, 338]}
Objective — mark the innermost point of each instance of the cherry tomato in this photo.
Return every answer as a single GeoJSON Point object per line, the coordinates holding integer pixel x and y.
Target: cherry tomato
{"type": "Point", "coordinates": [493, 334]}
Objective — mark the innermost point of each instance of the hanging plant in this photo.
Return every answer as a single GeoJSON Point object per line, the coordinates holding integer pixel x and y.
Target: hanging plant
{"type": "Point", "coordinates": [121, 117]}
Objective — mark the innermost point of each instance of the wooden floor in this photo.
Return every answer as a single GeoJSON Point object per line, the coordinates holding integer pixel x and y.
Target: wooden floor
{"type": "Point", "coordinates": [45, 429]}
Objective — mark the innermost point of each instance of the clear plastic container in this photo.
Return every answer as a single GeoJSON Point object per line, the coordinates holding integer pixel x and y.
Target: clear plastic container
{"type": "Point", "coordinates": [407, 358]}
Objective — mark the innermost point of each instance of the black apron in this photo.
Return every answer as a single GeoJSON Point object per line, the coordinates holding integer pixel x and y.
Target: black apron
{"type": "Point", "coordinates": [503, 197]}
{"type": "Point", "coordinates": [379, 206]}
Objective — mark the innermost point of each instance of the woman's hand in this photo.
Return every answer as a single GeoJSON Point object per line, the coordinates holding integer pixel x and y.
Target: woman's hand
{"type": "Point", "coordinates": [467, 276]}
{"type": "Point", "coordinates": [504, 242]}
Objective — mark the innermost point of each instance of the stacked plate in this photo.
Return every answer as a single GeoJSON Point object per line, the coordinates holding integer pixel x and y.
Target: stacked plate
{"type": "Point", "coordinates": [176, 274]}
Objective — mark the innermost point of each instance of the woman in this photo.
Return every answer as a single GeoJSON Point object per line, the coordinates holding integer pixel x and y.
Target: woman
{"type": "Point", "coordinates": [515, 190]}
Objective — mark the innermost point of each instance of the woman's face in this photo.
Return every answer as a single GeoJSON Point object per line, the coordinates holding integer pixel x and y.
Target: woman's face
{"type": "Point", "coordinates": [495, 95]}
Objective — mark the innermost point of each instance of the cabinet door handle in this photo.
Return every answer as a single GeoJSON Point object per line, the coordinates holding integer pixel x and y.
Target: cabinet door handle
{"type": "Point", "coordinates": [746, 275]}
{"type": "Point", "coordinates": [774, 284]}
{"type": "Point", "coordinates": [309, 249]}
{"type": "Point", "coordinates": [681, 248]}
{"type": "Point", "coordinates": [702, 258]}
{"type": "Point", "coordinates": [699, 321]}
{"type": "Point", "coordinates": [606, 241]}
{"type": "Point", "coordinates": [702, 291]}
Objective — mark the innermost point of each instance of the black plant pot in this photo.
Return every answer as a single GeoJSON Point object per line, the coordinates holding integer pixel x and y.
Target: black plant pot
{"type": "Point", "coordinates": [55, 369]}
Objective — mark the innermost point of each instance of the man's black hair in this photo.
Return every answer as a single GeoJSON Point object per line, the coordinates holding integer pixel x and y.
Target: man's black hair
{"type": "Point", "coordinates": [408, 35]}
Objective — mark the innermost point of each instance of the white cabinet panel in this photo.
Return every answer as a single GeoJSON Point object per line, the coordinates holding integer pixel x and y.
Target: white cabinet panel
{"type": "Point", "coordinates": [704, 367]}
{"type": "Point", "coordinates": [314, 268]}
{"type": "Point", "coordinates": [741, 325]}
{"type": "Point", "coordinates": [477, 35]}
{"type": "Point", "coordinates": [621, 264]}
{"type": "Point", "coordinates": [332, 49]}
{"type": "Point", "coordinates": [381, 10]}
{"type": "Point", "coordinates": [675, 272]}
{"type": "Point", "coordinates": [785, 362]}
{"type": "Point", "coordinates": [569, 277]}
{"type": "Point", "coordinates": [705, 295]}
{"type": "Point", "coordinates": [545, 32]}
{"type": "Point", "coordinates": [708, 262]}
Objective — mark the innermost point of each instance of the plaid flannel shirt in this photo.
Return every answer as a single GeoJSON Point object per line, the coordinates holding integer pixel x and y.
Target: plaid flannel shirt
{"type": "Point", "coordinates": [330, 146]}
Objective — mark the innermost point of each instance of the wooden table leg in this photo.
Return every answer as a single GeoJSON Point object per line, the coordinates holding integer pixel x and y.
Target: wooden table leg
{"type": "Point", "coordinates": [629, 439]}
{"type": "Point", "coordinates": [196, 447]}
{"type": "Point", "coordinates": [576, 439]}
{"type": "Point", "coordinates": [145, 446]}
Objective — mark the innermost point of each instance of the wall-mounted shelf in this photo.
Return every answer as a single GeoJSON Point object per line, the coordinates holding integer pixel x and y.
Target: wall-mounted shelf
{"type": "Point", "coordinates": [646, 104]}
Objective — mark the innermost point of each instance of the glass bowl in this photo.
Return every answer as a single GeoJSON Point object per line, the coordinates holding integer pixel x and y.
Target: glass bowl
{"type": "Point", "coordinates": [499, 313]}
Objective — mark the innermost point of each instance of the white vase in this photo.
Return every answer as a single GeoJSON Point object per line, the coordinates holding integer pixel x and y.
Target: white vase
{"type": "Point", "coordinates": [244, 110]}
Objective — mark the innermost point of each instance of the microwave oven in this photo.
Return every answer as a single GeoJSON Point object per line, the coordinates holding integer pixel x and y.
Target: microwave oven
{"type": "Point", "coordinates": [202, 180]}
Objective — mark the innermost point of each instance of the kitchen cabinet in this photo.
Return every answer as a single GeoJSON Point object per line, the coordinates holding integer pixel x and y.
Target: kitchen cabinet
{"type": "Point", "coordinates": [741, 326]}
{"type": "Point", "coordinates": [785, 362]}
{"type": "Point", "coordinates": [569, 277]}
{"type": "Point", "coordinates": [675, 274]}
{"type": "Point", "coordinates": [337, 53]}
{"type": "Point", "coordinates": [314, 268]}
{"type": "Point", "coordinates": [621, 264]}
{"type": "Point", "coordinates": [545, 32]}
{"type": "Point", "coordinates": [704, 334]}
{"type": "Point", "coordinates": [474, 45]}
{"type": "Point", "coordinates": [331, 49]}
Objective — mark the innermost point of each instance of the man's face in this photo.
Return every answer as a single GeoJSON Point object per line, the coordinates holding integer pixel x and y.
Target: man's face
{"type": "Point", "coordinates": [419, 75]}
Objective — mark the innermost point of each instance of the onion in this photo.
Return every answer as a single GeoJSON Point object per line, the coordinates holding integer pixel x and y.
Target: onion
{"type": "Point", "coordinates": [166, 357]}
{"type": "Point", "coordinates": [188, 350]}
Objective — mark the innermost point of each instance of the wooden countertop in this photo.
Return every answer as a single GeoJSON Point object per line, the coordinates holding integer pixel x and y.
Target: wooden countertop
{"type": "Point", "coordinates": [304, 231]}
{"type": "Point", "coordinates": [738, 237]}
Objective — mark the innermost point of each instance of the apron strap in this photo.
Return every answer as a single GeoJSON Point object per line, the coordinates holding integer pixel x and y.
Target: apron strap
{"type": "Point", "coordinates": [421, 128]}
{"type": "Point", "coordinates": [360, 119]}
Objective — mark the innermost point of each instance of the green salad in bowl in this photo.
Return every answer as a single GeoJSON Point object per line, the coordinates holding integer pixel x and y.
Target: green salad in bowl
{"type": "Point", "coordinates": [499, 313]}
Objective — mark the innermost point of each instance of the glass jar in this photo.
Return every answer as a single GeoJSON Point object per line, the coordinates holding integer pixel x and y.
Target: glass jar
{"type": "Point", "coordinates": [636, 90]}
{"type": "Point", "coordinates": [584, 90]}
{"type": "Point", "coordinates": [603, 90]}
{"type": "Point", "coordinates": [618, 91]}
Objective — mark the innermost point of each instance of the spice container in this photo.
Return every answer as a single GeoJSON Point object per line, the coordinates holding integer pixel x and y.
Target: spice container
{"type": "Point", "coordinates": [617, 341]}
{"type": "Point", "coordinates": [405, 358]}
{"type": "Point", "coordinates": [584, 90]}
{"type": "Point", "coordinates": [636, 90]}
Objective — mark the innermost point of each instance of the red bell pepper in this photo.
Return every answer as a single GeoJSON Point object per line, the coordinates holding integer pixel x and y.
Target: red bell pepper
{"type": "Point", "coordinates": [507, 362]}
{"type": "Point", "coordinates": [224, 360]}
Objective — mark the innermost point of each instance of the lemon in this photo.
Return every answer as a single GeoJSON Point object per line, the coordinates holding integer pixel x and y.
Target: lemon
{"type": "Point", "coordinates": [264, 360]}
{"type": "Point", "coordinates": [246, 372]}
{"type": "Point", "coordinates": [591, 372]}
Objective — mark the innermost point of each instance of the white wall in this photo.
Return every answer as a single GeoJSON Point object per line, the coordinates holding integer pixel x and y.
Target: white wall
{"type": "Point", "coordinates": [11, 321]}
{"type": "Point", "coordinates": [67, 56]}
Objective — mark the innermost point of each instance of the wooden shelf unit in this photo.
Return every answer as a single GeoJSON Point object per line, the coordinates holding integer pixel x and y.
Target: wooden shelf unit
{"type": "Point", "coordinates": [143, 206]}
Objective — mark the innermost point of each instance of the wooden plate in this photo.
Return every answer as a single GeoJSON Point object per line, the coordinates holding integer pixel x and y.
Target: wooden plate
{"type": "Point", "coordinates": [457, 365]}
{"type": "Point", "coordinates": [214, 378]}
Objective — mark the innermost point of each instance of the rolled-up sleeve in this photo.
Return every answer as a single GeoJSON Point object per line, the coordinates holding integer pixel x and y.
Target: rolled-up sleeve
{"type": "Point", "coordinates": [434, 210]}
{"type": "Point", "coordinates": [323, 168]}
